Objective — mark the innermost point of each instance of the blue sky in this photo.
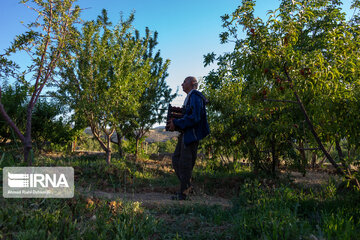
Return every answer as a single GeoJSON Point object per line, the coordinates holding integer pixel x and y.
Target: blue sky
{"type": "Point", "coordinates": [187, 29]}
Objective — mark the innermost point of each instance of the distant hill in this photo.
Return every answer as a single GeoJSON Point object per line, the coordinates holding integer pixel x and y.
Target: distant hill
{"type": "Point", "coordinates": [157, 134]}
{"type": "Point", "coordinates": [160, 135]}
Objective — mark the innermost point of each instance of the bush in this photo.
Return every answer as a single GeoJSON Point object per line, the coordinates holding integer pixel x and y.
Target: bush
{"type": "Point", "coordinates": [167, 147]}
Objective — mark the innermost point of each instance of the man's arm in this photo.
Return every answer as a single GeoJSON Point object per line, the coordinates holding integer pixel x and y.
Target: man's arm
{"type": "Point", "coordinates": [190, 120]}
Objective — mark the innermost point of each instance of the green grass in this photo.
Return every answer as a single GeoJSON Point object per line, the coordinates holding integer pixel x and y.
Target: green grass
{"type": "Point", "coordinates": [195, 221]}
{"type": "Point", "coordinates": [289, 213]}
{"type": "Point", "coordinates": [76, 218]}
{"type": "Point", "coordinates": [259, 212]}
{"type": "Point", "coordinates": [263, 207]}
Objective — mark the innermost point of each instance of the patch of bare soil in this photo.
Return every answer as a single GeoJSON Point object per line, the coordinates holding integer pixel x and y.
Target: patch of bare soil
{"type": "Point", "coordinates": [156, 199]}
{"type": "Point", "coordinates": [313, 178]}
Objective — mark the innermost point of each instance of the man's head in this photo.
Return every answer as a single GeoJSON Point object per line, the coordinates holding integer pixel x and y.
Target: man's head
{"type": "Point", "coordinates": [189, 84]}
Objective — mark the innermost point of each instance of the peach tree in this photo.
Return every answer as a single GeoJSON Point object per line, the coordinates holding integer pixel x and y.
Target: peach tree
{"type": "Point", "coordinates": [44, 42]}
{"type": "Point", "coordinates": [293, 79]}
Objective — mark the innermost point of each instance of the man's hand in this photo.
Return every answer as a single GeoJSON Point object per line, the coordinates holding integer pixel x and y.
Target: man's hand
{"type": "Point", "coordinates": [171, 125]}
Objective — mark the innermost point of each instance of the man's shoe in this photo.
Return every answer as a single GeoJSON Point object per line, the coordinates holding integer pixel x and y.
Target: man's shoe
{"type": "Point", "coordinates": [179, 196]}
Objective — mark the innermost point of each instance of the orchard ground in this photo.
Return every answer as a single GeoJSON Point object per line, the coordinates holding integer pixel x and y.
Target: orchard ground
{"type": "Point", "coordinates": [130, 200]}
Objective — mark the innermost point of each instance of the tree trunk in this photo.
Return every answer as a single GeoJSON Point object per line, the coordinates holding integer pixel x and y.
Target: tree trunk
{"type": "Point", "coordinates": [324, 158]}
{"type": "Point", "coordinates": [254, 156]}
{"type": "Point", "coordinates": [105, 146]}
{"type": "Point", "coordinates": [27, 152]}
{"type": "Point", "coordinates": [340, 154]}
{"type": "Point", "coordinates": [313, 160]}
{"type": "Point", "coordinates": [321, 146]}
{"type": "Point", "coordinates": [27, 143]}
{"type": "Point", "coordinates": [108, 157]}
{"type": "Point", "coordinates": [73, 145]}
{"type": "Point", "coordinates": [136, 148]}
{"type": "Point", "coordinates": [275, 158]}
{"type": "Point", "coordinates": [303, 157]}
{"type": "Point", "coordinates": [108, 150]}
{"type": "Point", "coordinates": [119, 144]}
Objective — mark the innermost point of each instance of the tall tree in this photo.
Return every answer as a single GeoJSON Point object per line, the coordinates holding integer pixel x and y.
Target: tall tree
{"type": "Point", "coordinates": [44, 42]}
{"type": "Point", "coordinates": [156, 97]}
{"type": "Point", "coordinates": [297, 71]}
{"type": "Point", "coordinates": [106, 76]}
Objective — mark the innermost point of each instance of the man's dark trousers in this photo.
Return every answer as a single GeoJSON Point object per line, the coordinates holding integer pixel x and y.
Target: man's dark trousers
{"type": "Point", "coordinates": [183, 161]}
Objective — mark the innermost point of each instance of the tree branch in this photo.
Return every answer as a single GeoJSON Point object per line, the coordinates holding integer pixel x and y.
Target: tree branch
{"type": "Point", "coordinates": [10, 122]}
{"type": "Point", "coordinates": [311, 126]}
{"type": "Point", "coordinates": [307, 149]}
{"type": "Point", "coordinates": [97, 136]}
{"type": "Point", "coordinates": [276, 100]}
{"type": "Point", "coordinates": [53, 62]}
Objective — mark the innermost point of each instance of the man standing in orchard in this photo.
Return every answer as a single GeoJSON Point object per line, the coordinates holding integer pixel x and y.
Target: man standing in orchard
{"type": "Point", "coordinates": [193, 127]}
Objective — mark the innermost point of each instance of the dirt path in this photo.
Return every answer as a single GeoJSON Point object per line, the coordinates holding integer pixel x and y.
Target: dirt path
{"type": "Point", "coordinates": [156, 199]}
